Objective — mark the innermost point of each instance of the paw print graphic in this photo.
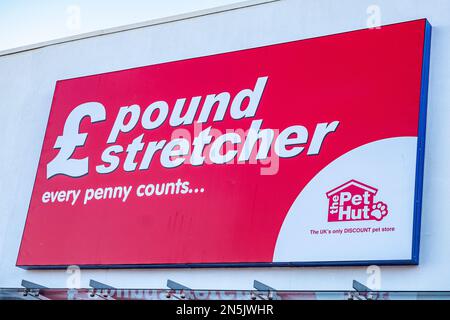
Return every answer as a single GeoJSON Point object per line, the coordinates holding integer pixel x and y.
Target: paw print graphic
{"type": "Point", "coordinates": [379, 210]}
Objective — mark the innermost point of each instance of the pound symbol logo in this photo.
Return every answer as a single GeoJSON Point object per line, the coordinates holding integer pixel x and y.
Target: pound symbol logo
{"type": "Point", "coordinates": [71, 139]}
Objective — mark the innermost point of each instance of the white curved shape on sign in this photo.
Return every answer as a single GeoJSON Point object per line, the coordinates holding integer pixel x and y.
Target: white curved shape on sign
{"type": "Point", "coordinates": [386, 165]}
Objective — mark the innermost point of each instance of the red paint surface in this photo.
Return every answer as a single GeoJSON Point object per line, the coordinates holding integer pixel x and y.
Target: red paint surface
{"type": "Point", "coordinates": [369, 80]}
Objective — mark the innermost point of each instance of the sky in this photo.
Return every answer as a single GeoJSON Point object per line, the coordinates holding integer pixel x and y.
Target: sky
{"type": "Point", "coordinates": [24, 22]}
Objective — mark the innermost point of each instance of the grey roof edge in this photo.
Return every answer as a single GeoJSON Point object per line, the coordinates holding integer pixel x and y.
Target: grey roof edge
{"type": "Point", "coordinates": [174, 18]}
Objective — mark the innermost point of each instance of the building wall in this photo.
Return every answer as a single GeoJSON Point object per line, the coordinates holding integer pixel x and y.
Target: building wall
{"type": "Point", "coordinates": [27, 81]}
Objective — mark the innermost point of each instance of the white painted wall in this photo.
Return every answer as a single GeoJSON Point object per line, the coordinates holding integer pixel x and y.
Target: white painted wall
{"type": "Point", "coordinates": [27, 81]}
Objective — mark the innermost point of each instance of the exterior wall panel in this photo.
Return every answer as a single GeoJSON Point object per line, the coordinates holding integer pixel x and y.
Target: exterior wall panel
{"type": "Point", "coordinates": [27, 82]}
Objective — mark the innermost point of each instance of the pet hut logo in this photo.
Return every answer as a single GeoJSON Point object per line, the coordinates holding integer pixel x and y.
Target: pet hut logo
{"type": "Point", "coordinates": [354, 201]}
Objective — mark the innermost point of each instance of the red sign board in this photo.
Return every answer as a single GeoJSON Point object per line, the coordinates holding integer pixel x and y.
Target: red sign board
{"type": "Point", "coordinates": [289, 154]}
